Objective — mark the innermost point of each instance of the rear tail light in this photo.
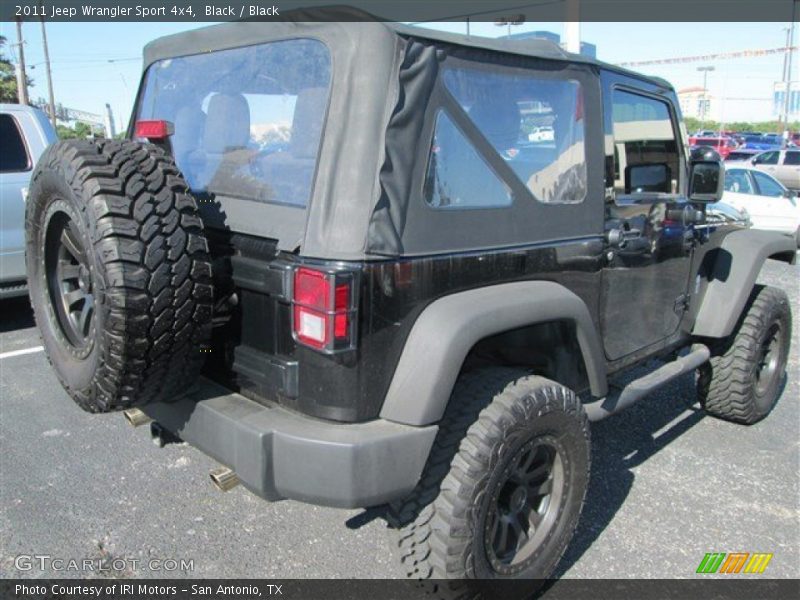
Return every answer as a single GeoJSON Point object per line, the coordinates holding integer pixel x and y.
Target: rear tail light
{"type": "Point", "coordinates": [324, 309]}
{"type": "Point", "coordinates": [154, 131]}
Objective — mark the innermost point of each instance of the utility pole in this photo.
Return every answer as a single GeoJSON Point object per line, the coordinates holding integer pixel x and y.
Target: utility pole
{"type": "Point", "coordinates": [572, 27]}
{"type": "Point", "coordinates": [111, 131]}
{"type": "Point", "coordinates": [52, 106]}
{"type": "Point", "coordinates": [22, 83]}
{"type": "Point", "coordinates": [787, 77]}
{"type": "Point", "coordinates": [705, 71]}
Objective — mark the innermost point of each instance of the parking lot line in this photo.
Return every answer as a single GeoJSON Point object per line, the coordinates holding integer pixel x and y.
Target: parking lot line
{"type": "Point", "coordinates": [21, 352]}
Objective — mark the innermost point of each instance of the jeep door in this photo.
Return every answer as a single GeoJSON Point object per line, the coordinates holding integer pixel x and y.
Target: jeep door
{"type": "Point", "coordinates": [648, 241]}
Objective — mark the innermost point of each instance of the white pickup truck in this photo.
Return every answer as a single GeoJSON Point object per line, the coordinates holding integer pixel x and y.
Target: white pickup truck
{"type": "Point", "coordinates": [24, 134]}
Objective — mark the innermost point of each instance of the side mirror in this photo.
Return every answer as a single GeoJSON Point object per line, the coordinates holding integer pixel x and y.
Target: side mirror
{"type": "Point", "coordinates": [648, 178]}
{"type": "Point", "coordinates": [706, 181]}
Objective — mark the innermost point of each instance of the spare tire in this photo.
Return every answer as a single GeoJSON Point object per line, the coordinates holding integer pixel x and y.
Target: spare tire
{"type": "Point", "coordinates": [118, 272]}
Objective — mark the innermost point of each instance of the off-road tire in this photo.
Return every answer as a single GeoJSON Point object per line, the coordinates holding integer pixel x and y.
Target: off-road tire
{"type": "Point", "coordinates": [144, 259]}
{"type": "Point", "coordinates": [490, 415]}
{"type": "Point", "coordinates": [728, 385]}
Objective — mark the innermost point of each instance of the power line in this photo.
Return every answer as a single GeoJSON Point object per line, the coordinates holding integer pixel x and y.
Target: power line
{"type": "Point", "coordinates": [709, 57]}
{"type": "Point", "coordinates": [91, 60]}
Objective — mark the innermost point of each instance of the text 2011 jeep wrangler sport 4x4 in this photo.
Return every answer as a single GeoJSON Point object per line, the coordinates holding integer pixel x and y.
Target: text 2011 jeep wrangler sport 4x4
{"type": "Point", "coordinates": [331, 258]}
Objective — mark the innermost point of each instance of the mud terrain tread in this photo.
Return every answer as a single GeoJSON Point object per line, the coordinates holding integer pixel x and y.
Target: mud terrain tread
{"type": "Point", "coordinates": [434, 522]}
{"type": "Point", "coordinates": [726, 385]}
{"type": "Point", "coordinates": [152, 268]}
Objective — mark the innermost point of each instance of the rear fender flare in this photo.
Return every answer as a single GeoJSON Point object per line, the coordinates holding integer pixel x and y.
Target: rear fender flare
{"type": "Point", "coordinates": [449, 327]}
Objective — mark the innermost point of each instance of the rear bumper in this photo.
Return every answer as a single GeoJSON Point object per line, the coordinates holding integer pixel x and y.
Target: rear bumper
{"type": "Point", "coordinates": [280, 454]}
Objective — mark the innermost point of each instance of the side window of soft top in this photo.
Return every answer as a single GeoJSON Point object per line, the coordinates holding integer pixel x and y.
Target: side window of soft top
{"type": "Point", "coordinates": [534, 124]}
{"type": "Point", "coordinates": [458, 176]}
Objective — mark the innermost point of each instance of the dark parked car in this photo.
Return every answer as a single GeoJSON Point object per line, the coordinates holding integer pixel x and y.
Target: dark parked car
{"type": "Point", "coordinates": [741, 155]}
{"type": "Point", "coordinates": [400, 308]}
{"type": "Point", "coordinates": [759, 142]}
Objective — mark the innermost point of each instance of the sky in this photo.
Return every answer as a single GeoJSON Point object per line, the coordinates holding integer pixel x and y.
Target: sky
{"type": "Point", "coordinates": [98, 63]}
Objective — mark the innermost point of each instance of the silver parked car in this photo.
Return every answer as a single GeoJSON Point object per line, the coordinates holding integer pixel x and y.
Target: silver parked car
{"type": "Point", "coordinates": [24, 134]}
{"type": "Point", "coordinates": [783, 165]}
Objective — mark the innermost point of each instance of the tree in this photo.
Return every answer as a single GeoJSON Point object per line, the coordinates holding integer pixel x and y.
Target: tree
{"type": "Point", "coordinates": [8, 76]}
{"type": "Point", "coordinates": [79, 131]}
{"type": "Point", "coordinates": [693, 125]}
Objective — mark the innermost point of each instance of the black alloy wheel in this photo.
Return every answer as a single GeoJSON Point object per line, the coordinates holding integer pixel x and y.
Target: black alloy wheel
{"type": "Point", "coordinates": [524, 505]}
{"type": "Point", "coordinates": [69, 280]}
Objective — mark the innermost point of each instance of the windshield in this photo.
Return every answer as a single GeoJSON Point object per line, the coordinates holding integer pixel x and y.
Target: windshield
{"type": "Point", "coordinates": [247, 120]}
{"type": "Point", "coordinates": [707, 142]}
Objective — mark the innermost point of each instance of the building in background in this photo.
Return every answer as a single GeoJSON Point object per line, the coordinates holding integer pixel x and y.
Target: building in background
{"type": "Point", "coordinates": [779, 97]}
{"type": "Point", "coordinates": [698, 103]}
{"type": "Point", "coordinates": [587, 49]}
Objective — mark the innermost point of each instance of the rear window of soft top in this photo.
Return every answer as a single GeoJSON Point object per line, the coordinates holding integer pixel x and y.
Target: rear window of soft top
{"type": "Point", "coordinates": [248, 121]}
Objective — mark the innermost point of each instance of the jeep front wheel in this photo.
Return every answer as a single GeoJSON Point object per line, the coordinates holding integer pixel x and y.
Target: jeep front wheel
{"type": "Point", "coordinates": [742, 380]}
{"type": "Point", "coordinates": [504, 486]}
{"type": "Point", "coordinates": [118, 272]}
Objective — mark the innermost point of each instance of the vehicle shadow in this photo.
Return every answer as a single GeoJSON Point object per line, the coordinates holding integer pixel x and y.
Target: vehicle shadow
{"type": "Point", "coordinates": [16, 314]}
{"type": "Point", "coordinates": [623, 442]}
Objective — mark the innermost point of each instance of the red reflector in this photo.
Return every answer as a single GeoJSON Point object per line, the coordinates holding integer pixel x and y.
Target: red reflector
{"type": "Point", "coordinates": [311, 288]}
{"type": "Point", "coordinates": [153, 130]}
{"type": "Point", "coordinates": [322, 309]}
{"type": "Point", "coordinates": [341, 322]}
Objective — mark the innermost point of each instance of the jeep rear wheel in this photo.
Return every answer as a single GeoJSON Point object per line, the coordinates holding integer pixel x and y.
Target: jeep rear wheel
{"type": "Point", "coordinates": [118, 272]}
{"type": "Point", "coordinates": [742, 380]}
{"type": "Point", "coordinates": [504, 486]}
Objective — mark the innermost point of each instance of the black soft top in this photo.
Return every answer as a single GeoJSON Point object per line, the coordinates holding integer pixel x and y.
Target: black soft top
{"type": "Point", "coordinates": [198, 41]}
{"type": "Point", "coordinates": [383, 75]}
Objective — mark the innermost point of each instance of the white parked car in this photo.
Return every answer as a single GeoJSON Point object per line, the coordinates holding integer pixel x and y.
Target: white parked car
{"type": "Point", "coordinates": [767, 201]}
{"type": "Point", "coordinates": [542, 134]}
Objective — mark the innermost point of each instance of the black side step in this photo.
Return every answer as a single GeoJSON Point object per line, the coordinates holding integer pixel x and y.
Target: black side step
{"type": "Point", "coordinates": [639, 388]}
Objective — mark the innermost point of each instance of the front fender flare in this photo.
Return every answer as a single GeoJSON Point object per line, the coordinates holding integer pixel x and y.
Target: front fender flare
{"type": "Point", "coordinates": [732, 275]}
{"type": "Point", "coordinates": [449, 327]}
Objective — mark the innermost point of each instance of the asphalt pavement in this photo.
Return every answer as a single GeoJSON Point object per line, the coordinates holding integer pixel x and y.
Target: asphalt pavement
{"type": "Point", "coordinates": [668, 485]}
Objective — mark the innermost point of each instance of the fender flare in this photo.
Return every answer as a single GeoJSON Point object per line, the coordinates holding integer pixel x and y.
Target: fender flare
{"type": "Point", "coordinates": [449, 327]}
{"type": "Point", "coordinates": [732, 275]}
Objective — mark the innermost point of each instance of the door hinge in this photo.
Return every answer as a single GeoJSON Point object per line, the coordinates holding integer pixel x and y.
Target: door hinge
{"type": "Point", "coordinates": [681, 304]}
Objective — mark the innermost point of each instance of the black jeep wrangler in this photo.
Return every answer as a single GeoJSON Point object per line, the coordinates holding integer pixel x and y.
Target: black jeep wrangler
{"type": "Point", "coordinates": [364, 264]}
